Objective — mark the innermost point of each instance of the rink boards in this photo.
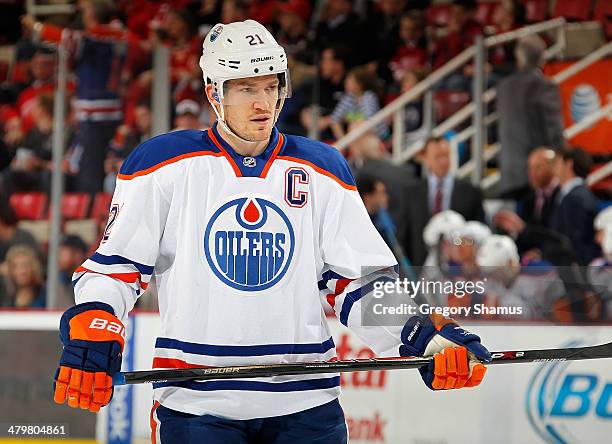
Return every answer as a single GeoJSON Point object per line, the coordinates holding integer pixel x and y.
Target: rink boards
{"type": "Point", "coordinates": [518, 403]}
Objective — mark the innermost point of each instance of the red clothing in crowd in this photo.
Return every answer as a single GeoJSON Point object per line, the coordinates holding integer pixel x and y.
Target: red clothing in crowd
{"type": "Point", "coordinates": [406, 58]}
{"type": "Point", "coordinates": [455, 42]}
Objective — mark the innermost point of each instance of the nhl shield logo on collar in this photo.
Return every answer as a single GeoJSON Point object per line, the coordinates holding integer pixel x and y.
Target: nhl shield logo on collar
{"type": "Point", "coordinates": [249, 162]}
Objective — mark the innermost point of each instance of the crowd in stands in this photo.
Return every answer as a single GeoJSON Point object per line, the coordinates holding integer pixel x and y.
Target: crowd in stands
{"type": "Point", "coordinates": [347, 59]}
{"type": "Point", "coordinates": [550, 253]}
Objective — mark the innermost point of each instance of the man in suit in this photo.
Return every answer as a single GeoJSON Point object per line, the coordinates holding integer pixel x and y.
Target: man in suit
{"type": "Point", "coordinates": [439, 191]}
{"type": "Point", "coordinates": [576, 204]}
{"type": "Point", "coordinates": [537, 206]}
{"type": "Point", "coordinates": [529, 107]}
{"type": "Point", "coordinates": [529, 226]}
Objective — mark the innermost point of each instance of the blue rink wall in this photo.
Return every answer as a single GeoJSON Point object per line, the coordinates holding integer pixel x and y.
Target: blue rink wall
{"type": "Point", "coordinates": [519, 403]}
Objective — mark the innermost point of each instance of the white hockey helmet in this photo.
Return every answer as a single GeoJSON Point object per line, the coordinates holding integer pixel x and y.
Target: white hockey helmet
{"type": "Point", "coordinates": [606, 243]}
{"type": "Point", "coordinates": [603, 219]}
{"type": "Point", "coordinates": [240, 50]}
{"type": "Point", "coordinates": [474, 230]}
{"type": "Point", "coordinates": [497, 251]}
{"type": "Point", "coordinates": [441, 224]}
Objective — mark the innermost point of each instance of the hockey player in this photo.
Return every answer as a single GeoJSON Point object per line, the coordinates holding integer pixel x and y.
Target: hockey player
{"type": "Point", "coordinates": [534, 287]}
{"type": "Point", "coordinates": [248, 231]}
{"type": "Point", "coordinates": [600, 269]}
{"type": "Point", "coordinates": [437, 234]}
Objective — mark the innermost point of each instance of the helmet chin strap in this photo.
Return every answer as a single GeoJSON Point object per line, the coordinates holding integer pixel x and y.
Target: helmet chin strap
{"type": "Point", "coordinates": [226, 127]}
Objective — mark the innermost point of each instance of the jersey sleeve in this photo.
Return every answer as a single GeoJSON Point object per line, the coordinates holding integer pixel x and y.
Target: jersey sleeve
{"type": "Point", "coordinates": [356, 260]}
{"type": "Point", "coordinates": [120, 269]}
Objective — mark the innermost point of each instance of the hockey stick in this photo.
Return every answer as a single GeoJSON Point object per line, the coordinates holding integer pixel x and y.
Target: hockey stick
{"type": "Point", "coordinates": [353, 365]}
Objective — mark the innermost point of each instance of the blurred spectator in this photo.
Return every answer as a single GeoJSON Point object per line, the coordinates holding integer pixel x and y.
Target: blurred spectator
{"type": "Point", "coordinates": [31, 167]}
{"type": "Point", "coordinates": [411, 54]}
{"type": "Point", "coordinates": [530, 225]}
{"type": "Point", "coordinates": [359, 102]}
{"type": "Point", "coordinates": [529, 107]}
{"type": "Point", "coordinates": [440, 191]}
{"type": "Point", "coordinates": [292, 18]}
{"type": "Point", "coordinates": [24, 281]}
{"type": "Point", "coordinates": [533, 286]}
{"type": "Point", "coordinates": [376, 201]}
{"type": "Point", "coordinates": [330, 87]}
{"type": "Point", "coordinates": [43, 68]}
{"type": "Point", "coordinates": [539, 202]}
{"type": "Point", "coordinates": [177, 30]}
{"type": "Point", "coordinates": [11, 235]}
{"type": "Point", "coordinates": [508, 16]}
{"type": "Point", "coordinates": [339, 25]}
{"type": "Point", "coordinates": [366, 148]}
{"type": "Point", "coordinates": [72, 253]}
{"type": "Point", "coordinates": [99, 53]}
{"type": "Point", "coordinates": [129, 137]}
{"type": "Point", "coordinates": [413, 111]}
{"type": "Point", "coordinates": [187, 115]}
{"type": "Point", "coordinates": [463, 28]}
{"type": "Point", "coordinates": [234, 11]}
{"type": "Point", "coordinates": [577, 206]}
{"type": "Point", "coordinates": [12, 134]}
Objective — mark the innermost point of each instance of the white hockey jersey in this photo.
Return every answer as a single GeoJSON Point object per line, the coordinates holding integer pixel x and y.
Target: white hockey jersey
{"type": "Point", "coordinates": [245, 251]}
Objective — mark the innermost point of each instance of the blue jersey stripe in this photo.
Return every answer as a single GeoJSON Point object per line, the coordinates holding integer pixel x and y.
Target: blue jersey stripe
{"type": "Point", "coordinates": [167, 146]}
{"type": "Point", "coordinates": [116, 260]}
{"type": "Point", "coordinates": [244, 350]}
{"type": "Point", "coordinates": [326, 277]}
{"type": "Point", "coordinates": [356, 295]}
{"type": "Point", "coordinates": [255, 386]}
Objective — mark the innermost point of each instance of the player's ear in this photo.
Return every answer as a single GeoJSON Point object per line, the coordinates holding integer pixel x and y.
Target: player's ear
{"type": "Point", "coordinates": [211, 94]}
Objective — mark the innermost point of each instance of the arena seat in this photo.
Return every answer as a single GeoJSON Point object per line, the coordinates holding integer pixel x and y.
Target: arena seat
{"type": "Point", "coordinates": [603, 14]}
{"type": "Point", "coordinates": [439, 14]}
{"type": "Point", "coordinates": [75, 205]}
{"type": "Point", "coordinates": [447, 103]}
{"type": "Point", "coordinates": [574, 10]}
{"type": "Point", "coordinates": [101, 207]}
{"type": "Point", "coordinates": [485, 10]}
{"type": "Point", "coordinates": [536, 10]}
{"type": "Point", "coordinates": [30, 206]}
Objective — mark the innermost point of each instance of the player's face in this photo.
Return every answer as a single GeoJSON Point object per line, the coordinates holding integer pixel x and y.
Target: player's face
{"type": "Point", "coordinates": [250, 106]}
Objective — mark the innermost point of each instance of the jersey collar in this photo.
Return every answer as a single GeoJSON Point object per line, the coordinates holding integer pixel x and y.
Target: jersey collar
{"type": "Point", "coordinates": [249, 166]}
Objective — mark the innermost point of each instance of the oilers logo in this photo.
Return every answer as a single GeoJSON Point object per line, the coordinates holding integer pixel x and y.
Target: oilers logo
{"type": "Point", "coordinates": [249, 243]}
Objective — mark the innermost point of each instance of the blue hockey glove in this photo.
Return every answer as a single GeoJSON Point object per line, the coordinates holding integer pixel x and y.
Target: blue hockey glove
{"type": "Point", "coordinates": [458, 354]}
{"type": "Point", "coordinates": [93, 341]}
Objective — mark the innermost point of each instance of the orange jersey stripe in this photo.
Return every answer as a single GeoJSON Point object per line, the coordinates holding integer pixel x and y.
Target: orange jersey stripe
{"type": "Point", "coordinates": [277, 148]}
{"type": "Point", "coordinates": [174, 363]}
{"type": "Point", "coordinates": [153, 423]}
{"type": "Point", "coordinates": [130, 278]}
{"type": "Point", "coordinates": [319, 170]}
{"type": "Point", "coordinates": [227, 156]}
{"type": "Point", "coordinates": [167, 162]}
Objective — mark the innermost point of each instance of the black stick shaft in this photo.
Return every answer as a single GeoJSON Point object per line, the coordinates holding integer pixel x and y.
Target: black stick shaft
{"type": "Point", "coordinates": [355, 365]}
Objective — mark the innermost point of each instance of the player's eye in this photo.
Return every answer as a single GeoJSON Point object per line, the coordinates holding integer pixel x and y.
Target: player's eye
{"type": "Point", "coordinates": [247, 90]}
